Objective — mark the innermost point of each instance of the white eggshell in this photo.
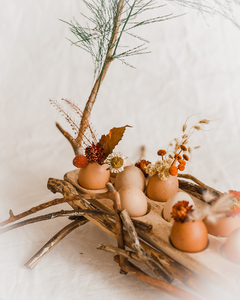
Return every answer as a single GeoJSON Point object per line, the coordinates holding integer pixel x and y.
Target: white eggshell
{"type": "Point", "coordinates": [232, 246]}
{"type": "Point", "coordinates": [133, 200]}
{"type": "Point", "coordinates": [131, 175]}
{"type": "Point", "coordinates": [179, 196]}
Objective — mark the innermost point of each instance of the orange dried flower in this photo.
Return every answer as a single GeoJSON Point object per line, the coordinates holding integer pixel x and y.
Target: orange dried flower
{"type": "Point", "coordinates": [181, 210]}
{"type": "Point", "coordinates": [181, 167]}
{"type": "Point", "coordinates": [80, 161]}
{"type": "Point", "coordinates": [178, 156]}
{"type": "Point", "coordinates": [185, 157]}
{"type": "Point", "coordinates": [161, 152]}
{"type": "Point", "coordinates": [235, 194]}
{"type": "Point", "coordinates": [181, 161]}
{"type": "Point", "coordinates": [184, 148]}
{"type": "Point", "coordinates": [142, 165]}
{"type": "Point", "coordinates": [173, 170]}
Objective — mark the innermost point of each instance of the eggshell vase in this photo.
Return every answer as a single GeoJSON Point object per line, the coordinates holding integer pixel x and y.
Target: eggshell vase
{"type": "Point", "coordinates": [94, 176]}
{"type": "Point", "coordinates": [223, 226]}
{"type": "Point", "coordinates": [160, 190]}
{"type": "Point", "coordinates": [189, 236]}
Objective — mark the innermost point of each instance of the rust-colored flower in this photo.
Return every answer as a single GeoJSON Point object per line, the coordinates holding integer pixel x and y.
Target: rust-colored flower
{"type": "Point", "coordinates": [173, 170]}
{"type": "Point", "coordinates": [181, 161]}
{"type": "Point", "coordinates": [94, 153]}
{"type": "Point", "coordinates": [142, 166]}
{"type": "Point", "coordinates": [181, 210]}
{"type": "Point", "coordinates": [178, 156]}
{"type": "Point", "coordinates": [185, 157]}
{"type": "Point", "coordinates": [235, 194]}
{"type": "Point", "coordinates": [161, 152]}
{"type": "Point", "coordinates": [184, 148]}
{"type": "Point", "coordinates": [181, 167]}
{"type": "Point", "coordinates": [80, 161]}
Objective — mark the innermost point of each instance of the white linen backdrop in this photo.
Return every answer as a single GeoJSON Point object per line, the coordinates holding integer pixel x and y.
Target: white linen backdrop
{"type": "Point", "coordinates": [193, 69]}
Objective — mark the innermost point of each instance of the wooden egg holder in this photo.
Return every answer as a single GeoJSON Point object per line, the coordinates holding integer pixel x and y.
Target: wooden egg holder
{"type": "Point", "coordinates": [209, 264]}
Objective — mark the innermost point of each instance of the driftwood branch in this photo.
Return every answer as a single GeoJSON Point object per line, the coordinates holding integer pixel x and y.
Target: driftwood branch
{"type": "Point", "coordinates": [13, 218]}
{"type": "Point", "coordinates": [54, 241]}
{"type": "Point", "coordinates": [118, 251]}
{"type": "Point", "coordinates": [77, 150]}
{"type": "Point", "coordinates": [200, 183]}
{"type": "Point", "coordinates": [71, 214]}
{"type": "Point", "coordinates": [156, 283]}
{"type": "Point", "coordinates": [156, 267]}
{"type": "Point", "coordinates": [114, 195]}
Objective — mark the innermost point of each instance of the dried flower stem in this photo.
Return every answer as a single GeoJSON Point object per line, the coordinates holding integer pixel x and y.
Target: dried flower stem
{"type": "Point", "coordinates": [108, 60]}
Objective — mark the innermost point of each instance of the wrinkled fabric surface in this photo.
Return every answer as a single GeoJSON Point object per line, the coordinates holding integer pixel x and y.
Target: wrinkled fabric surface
{"type": "Point", "coordinates": [193, 69]}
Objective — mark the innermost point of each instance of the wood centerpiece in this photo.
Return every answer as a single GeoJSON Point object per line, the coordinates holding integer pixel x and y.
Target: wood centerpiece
{"type": "Point", "coordinates": [147, 236]}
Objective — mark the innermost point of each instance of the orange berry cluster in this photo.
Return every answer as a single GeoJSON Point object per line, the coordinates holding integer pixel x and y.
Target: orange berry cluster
{"type": "Point", "coordinates": [181, 160]}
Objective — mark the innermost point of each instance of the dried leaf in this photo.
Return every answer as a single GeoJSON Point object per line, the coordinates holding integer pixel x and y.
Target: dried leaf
{"type": "Point", "coordinates": [110, 141]}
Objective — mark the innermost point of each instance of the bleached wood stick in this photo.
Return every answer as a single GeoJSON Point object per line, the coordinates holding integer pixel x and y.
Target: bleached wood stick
{"type": "Point", "coordinates": [54, 241]}
{"type": "Point", "coordinates": [157, 268]}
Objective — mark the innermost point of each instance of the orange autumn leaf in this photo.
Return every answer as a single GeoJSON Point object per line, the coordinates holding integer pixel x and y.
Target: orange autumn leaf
{"type": "Point", "coordinates": [110, 141]}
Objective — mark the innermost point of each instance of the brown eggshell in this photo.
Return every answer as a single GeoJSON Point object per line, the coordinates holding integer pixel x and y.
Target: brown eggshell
{"type": "Point", "coordinates": [189, 236]}
{"type": "Point", "coordinates": [160, 190]}
{"type": "Point", "coordinates": [223, 226]}
{"type": "Point", "coordinates": [94, 176]}
{"type": "Point", "coordinates": [133, 200]}
{"type": "Point", "coordinates": [131, 175]}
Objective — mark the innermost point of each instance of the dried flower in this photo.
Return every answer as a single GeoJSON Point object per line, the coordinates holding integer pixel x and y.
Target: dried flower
{"type": "Point", "coordinates": [197, 127]}
{"type": "Point", "coordinates": [204, 121]}
{"type": "Point", "coordinates": [185, 157]}
{"type": "Point", "coordinates": [94, 153]}
{"type": "Point", "coordinates": [181, 167]}
{"type": "Point", "coordinates": [184, 148]}
{"type": "Point", "coordinates": [178, 156]}
{"type": "Point", "coordinates": [161, 152]}
{"type": "Point", "coordinates": [173, 170]}
{"type": "Point", "coordinates": [80, 161]}
{"type": "Point", "coordinates": [116, 162]}
{"type": "Point", "coordinates": [181, 211]}
{"type": "Point", "coordinates": [142, 164]}
{"type": "Point", "coordinates": [151, 169]}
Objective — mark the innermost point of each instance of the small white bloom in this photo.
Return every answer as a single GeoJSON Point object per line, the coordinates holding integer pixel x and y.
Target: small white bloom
{"type": "Point", "coordinates": [116, 162]}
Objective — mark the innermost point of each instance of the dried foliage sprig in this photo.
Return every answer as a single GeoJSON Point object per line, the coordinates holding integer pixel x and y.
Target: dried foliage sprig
{"type": "Point", "coordinates": [174, 160]}
{"type": "Point", "coordinates": [227, 205]}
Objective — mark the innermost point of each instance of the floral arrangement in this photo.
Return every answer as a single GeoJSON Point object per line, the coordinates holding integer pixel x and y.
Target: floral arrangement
{"type": "Point", "coordinates": [172, 161]}
{"type": "Point", "coordinates": [181, 211]}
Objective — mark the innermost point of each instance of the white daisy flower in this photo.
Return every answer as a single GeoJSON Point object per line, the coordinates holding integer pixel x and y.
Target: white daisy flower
{"type": "Point", "coordinates": [116, 162]}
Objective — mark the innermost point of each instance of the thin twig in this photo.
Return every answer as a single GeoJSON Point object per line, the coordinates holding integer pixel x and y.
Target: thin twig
{"type": "Point", "coordinates": [54, 241]}
{"type": "Point", "coordinates": [35, 209]}
{"type": "Point", "coordinates": [77, 150]}
{"type": "Point", "coordinates": [62, 213]}
{"type": "Point", "coordinates": [194, 179]}
{"type": "Point", "coordinates": [114, 195]}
